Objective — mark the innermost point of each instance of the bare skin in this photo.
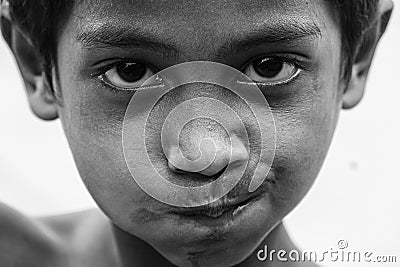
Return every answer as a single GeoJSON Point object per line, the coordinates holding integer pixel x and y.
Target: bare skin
{"type": "Point", "coordinates": [99, 39]}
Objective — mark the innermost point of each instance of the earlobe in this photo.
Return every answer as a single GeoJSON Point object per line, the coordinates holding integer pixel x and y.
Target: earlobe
{"type": "Point", "coordinates": [354, 92]}
{"type": "Point", "coordinates": [43, 103]}
{"type": "Point", "coordinates": [363, 59]}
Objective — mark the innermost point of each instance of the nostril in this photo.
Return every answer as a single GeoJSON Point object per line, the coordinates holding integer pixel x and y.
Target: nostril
{"type": "Point", "coordinates": [209, 177]}
{"type": "Point", "coordinates": [220, 173]}
{"type": "Point", "coordinates": [175, 169]}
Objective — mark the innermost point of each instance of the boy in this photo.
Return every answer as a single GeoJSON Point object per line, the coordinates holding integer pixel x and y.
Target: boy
{"type": "Point", "coordinates": [86, 61]}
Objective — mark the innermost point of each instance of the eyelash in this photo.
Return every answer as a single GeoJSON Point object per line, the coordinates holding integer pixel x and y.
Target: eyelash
{"type": "Point", "coordinates": [287, 59]}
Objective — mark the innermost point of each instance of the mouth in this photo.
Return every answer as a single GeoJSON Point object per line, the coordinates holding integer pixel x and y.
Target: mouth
{"type": "Point", "coordinates": [222, 209]}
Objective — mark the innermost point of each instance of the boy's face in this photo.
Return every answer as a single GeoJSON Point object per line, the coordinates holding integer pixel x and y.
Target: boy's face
{"type": "Point", "coordinates": [236, 33]}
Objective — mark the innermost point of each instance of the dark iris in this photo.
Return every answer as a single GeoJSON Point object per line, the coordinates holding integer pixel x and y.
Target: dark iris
{"type": "Point", "coordinates": [268, 68]}
{"type": "Point", "coordinates": [131, 72]}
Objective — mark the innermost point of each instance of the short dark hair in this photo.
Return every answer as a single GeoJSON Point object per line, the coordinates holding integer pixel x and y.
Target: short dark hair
{"type": "Point", "coordinates": [40, 19]}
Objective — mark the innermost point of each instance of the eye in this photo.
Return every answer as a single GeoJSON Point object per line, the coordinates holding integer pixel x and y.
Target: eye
{"type": "Point", "coordinates": [127, 75]}
{"type": "Point", "coordinates": [272, 71]}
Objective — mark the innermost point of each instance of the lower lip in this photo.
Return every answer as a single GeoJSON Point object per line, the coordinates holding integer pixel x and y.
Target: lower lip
{"type": "Point", "coordinates": [229, 217]}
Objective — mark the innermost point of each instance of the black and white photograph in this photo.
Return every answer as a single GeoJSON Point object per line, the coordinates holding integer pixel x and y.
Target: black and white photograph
{"type": "Point", "coordinates": [199, 133]}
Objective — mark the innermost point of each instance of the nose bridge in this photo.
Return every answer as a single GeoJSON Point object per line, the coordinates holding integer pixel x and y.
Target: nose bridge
{"type": "Point", "coordinates": [198, 89]}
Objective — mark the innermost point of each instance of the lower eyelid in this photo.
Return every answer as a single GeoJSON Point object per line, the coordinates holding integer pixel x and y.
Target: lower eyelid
{"type": "Point", "coordinates": [289, 80]}
{"type": "Point", "coordinates": [122, 89]}
{"type": "Point", "coordinates": [109, 85]}
{"type": "Point", "coordinates": [292, 78]}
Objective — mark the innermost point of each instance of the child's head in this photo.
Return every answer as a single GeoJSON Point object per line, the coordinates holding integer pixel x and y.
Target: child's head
{"type": "Point", "coordinates": [310, 58]}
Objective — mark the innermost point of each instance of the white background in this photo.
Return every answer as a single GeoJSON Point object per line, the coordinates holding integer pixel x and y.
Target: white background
{"type": "Point", "coordinates": [356, 197]}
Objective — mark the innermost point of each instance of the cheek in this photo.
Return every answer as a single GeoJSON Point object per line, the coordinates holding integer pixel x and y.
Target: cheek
{"type": "Point", "coordinates": [93, 128]}
{"type": "Point", "coordinates": [305, 128]}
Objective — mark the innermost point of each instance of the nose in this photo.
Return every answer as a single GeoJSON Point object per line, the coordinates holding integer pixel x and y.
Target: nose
{"type": "Point", "coordinates": [206, 148]}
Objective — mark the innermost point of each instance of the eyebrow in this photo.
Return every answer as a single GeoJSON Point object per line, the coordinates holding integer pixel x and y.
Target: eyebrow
{"type": "Point", "coordinates": [274, 34]}
{"type": "Point", "coordinates": [113, 36]}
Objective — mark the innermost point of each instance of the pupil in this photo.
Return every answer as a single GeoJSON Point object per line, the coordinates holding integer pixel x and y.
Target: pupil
{"type": "Point", "coordinates": [268, 68]}
{"type": "Point", "coordinates": [131, 72]}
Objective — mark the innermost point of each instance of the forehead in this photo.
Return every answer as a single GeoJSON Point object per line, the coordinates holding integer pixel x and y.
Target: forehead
{"type": "Point", "coordinates": [195, 11]}
{"type": "Point", "coordinates": [201, 20]}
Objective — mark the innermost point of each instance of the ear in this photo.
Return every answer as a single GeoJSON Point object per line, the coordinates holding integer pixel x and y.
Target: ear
{"type": "Point", "coordinates": [42, 100]}
{"type": "Point", "coordinates": [365, 53]}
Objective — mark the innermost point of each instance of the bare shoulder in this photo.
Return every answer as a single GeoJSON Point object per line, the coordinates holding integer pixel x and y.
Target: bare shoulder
{"type": "Point", "coordinates": [76, 239]}
{"type": "Point", "coordinates": [68, 226]}
{"type": "Point", "coordinates": [25, 241]}
{"type": "Point", "coordinates": [86, 236]}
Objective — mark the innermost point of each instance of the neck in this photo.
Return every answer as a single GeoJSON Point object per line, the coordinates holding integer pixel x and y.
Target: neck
{"type": "Point", "coordinates": [136, 252]}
